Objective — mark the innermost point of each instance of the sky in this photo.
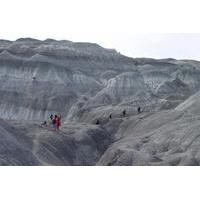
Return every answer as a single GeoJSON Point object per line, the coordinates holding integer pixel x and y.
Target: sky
{"type": "Point", "coordinates": [136, 28]}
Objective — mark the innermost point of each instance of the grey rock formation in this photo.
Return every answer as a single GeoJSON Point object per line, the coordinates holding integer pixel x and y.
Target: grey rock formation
{"type": "Point", "coordinates": [84, 83]}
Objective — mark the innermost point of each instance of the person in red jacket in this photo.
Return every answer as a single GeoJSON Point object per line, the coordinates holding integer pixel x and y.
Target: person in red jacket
{"type": "Point", "coordinates": [58, 122]}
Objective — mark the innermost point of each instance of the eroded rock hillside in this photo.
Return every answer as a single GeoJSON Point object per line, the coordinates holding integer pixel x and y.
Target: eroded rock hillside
{"type": "Point", "coordinates": [84, 83]}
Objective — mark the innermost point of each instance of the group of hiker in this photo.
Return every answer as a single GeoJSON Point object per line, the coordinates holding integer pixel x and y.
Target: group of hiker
{"type": "Point", "coordinates": [138, 111]}
{"type": "Point", "coordinates": [54, 121]}
{"type": "Point", "coordinates": [123, 114]}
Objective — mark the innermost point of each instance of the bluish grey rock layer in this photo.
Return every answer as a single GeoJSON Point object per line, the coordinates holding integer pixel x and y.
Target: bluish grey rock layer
{"type": "Point", "coordinates": [84, 83]}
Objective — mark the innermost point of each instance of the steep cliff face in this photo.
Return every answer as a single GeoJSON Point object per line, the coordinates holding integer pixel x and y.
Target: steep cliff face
{"type": "Point", "coordinates": [42, 77]}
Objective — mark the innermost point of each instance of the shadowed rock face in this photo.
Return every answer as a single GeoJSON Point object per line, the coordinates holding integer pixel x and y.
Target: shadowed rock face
{"type": "Point", "coordinates": [27, 143]}
{"type": "Point", "coordinates": [13, 150]}
{"type": "Point", "coordinates": [84, 83]}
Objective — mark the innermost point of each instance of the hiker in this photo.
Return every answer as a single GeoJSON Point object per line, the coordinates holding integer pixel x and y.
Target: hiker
{"type": "Point", "coordinates": [124, 113]}
{"type": "Point", "coordinates": [139, 110]}
{"type": "Point", "coordinates": [97, 122]}
{"type": "Point", "coordinates": [51, 120]}
{"type": "Point", "coordinates": [58, 123]}
{"type": "Point", "coordinates": [110, 116]}
{"type": "Point", "coordinates": [51, 117]}
{"type": "Point", "coordinates": [54, 121]}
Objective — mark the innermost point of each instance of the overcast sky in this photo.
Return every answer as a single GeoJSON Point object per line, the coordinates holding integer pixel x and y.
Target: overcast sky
{"type": "Point", "coordinates": [137, 28]}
